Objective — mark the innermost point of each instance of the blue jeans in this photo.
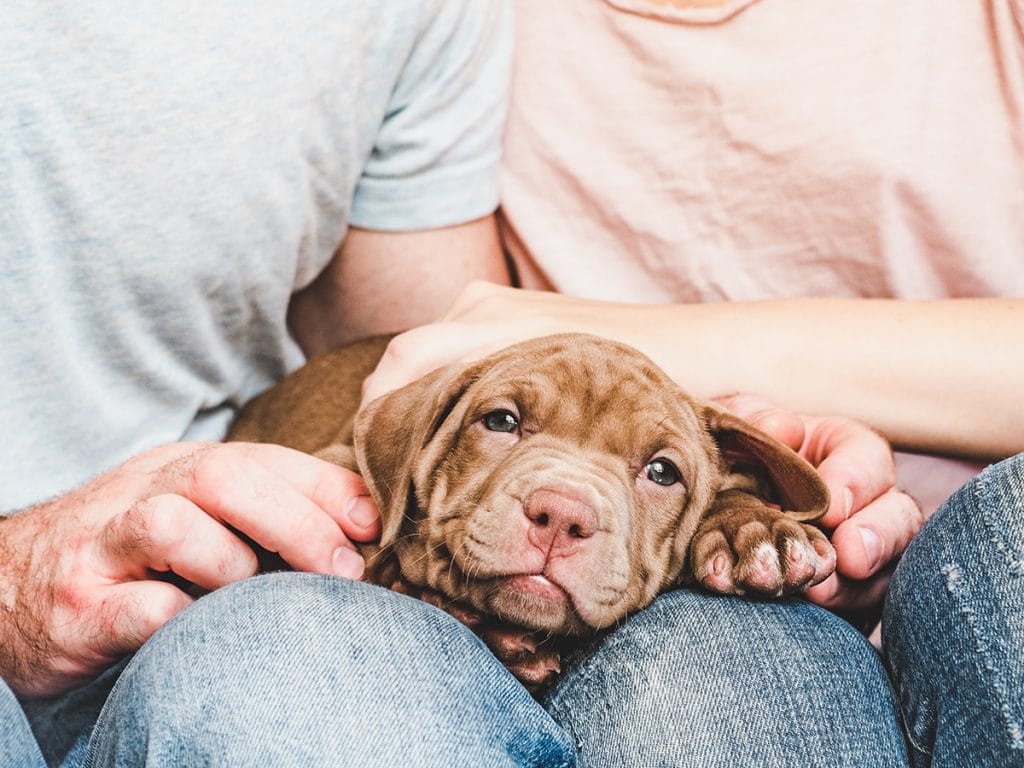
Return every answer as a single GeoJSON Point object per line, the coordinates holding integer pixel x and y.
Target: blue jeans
{"type": "Point", "coordinates": [303, 670]}
{"type": "Point", "coordinates": [953, 627]}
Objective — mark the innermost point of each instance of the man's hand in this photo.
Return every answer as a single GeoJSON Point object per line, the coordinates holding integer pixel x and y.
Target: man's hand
{"type": "Point", "coordinates": [80, 576]}
{"type": "Point", "coordinates": [871, 522]}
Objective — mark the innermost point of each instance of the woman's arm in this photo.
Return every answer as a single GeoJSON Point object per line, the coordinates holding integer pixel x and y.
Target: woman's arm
{"type": "Point", "coordinates": [932, 376]}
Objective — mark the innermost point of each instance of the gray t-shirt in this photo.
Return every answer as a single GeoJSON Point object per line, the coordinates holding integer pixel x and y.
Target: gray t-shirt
{"type": "Point", "coordinates": [171, 173]}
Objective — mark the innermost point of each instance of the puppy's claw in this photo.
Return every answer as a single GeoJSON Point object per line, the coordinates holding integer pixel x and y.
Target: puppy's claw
{"type": "Point", "coordinates": [825, 561]}
{"type": "Point", "coordinates": [718, 577]}
{"type": "Point", "coordinates": [537, 671]}
{"type": "Point", "coordinates": [721, 565]}
{"type": "Point", "coordinates": [799, 564]}
{"type": "Point", "coordinates": [507, 643]}
{"type": "Point", "coordinates": [760, 571]}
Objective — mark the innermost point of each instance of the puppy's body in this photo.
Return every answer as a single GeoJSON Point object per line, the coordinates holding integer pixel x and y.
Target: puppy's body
{"type": "Point", "coordinates": [557, 485]}
{"type": "Point", "coordinates": [314, 407]}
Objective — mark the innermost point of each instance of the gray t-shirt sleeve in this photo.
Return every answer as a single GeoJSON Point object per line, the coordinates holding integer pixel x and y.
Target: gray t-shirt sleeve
{"type": "Point", "coordinates": [167, 183]}
{"type": "Point", "coordinates": [435, 160]}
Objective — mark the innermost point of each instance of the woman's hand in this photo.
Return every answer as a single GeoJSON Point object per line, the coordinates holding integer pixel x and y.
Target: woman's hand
{"type": "Point", "coordinates": [484, 319]}
{"type": "Point", "coordinates": [870, 521]}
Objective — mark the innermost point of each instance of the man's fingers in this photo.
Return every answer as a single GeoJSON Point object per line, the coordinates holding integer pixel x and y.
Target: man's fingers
{"type": "Point", "coordinates": [266, 492]}
{"type": "Point", "coordinates": [339, 492]}
{"type": "Point", "coordinates": [876, 535]}
{"type": "Point", "coordinates": [129, 613]}
{"type": "Point", "coordinates": [170, 533]}
{"type": "Point", "coordinates": [868, 546]}
{"type": "Point", "coordinates": [235, 488]}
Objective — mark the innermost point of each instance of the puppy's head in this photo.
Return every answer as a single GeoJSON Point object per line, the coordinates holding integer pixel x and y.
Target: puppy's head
{"type": "Point", "coordinates": [556, 484]}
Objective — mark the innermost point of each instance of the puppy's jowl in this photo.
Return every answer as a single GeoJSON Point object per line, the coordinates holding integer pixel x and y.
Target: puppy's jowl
{"type": "Point", "coordinates": [545, 492]}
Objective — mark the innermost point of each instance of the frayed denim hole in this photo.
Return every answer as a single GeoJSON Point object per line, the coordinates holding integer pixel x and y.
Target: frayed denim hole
{"type": "Point", "coordinates": [960, 592]}
{"type": "Point", "coordinates": [999, 488]}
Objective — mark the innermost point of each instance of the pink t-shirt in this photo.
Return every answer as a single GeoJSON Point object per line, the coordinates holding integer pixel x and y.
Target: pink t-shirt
{"type": "Point", "coordinates": [766, 149]}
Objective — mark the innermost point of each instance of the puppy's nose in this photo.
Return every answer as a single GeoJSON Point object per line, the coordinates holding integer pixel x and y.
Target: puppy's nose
{"type": "Point", "coordinates": [558, 521]}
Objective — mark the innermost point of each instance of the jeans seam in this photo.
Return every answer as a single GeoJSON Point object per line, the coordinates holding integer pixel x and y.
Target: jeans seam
{"type": "Point", "coordinates": [960, 593]}
{"type": "Point", "coordinates": [555, 702]}
{"type": "Point", "coordinates": [981, 492]}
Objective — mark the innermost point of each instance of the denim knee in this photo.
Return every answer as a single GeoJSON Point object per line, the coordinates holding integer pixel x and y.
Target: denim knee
{"type": "Point", "coordinates": [953, 628]}
{"type": "Point", "coordinates": [300, 669]}
{"type": "Point", "coordinates": [705, 680]}
{"type": "Point", "coordinates": [18, 744]}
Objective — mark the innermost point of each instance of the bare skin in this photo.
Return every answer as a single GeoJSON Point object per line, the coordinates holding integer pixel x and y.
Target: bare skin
{"type": "Point", "coordinates": [932, 376]}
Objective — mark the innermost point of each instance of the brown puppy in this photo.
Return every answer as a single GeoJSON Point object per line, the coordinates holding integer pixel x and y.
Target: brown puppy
{"type": "Point", "coordinates": [555, 486]}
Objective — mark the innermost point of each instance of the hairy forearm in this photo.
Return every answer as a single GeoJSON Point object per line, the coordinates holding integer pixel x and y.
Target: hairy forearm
{"type": "Point", "coordinates": [939, 376]}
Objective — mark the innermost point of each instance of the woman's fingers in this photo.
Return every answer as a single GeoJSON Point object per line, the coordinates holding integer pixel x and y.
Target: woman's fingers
{"type": "Point", "coordinates": [875, 536]}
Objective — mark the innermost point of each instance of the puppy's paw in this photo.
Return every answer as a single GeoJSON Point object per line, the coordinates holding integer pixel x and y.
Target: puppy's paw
{"type": "Point", "coordinates": [538, 671]}
{"type": "Point", "coordinates": [533, 663]}
{"type": "Point", "coordinates": [508, 642]}
{"type": "Point", "coordinates": [758, 549]}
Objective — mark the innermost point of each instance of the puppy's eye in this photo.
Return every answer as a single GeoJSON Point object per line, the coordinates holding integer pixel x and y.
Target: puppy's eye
{"type": "Point", "coordinates": [662, 472]}
{"type": "Point", "coordinates": [501, 421]}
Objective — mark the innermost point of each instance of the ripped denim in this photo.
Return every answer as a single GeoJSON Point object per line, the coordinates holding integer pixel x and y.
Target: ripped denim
{"type": "Point", "coordinates": [953, 628]}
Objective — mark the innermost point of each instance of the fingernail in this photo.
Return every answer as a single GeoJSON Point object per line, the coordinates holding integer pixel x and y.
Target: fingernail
{"type": "Point", "coordinates": [872, 547]}
{"type": "Point", "coordinates": [347, 562]}
{"type": "Point", "coordinates": [847, 503]}
{"type": "Point", "coordinates": [362, 511]}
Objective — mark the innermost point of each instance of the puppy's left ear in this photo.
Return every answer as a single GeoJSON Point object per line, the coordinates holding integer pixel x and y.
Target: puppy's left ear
{"type": "Point", "coordinates": [391, 433]}
{"type": "Point", "coordinates": [801, 491]}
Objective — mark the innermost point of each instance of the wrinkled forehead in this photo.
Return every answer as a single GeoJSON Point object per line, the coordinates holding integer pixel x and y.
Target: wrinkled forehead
{"type": "Point", "coordinates": [588, 386]}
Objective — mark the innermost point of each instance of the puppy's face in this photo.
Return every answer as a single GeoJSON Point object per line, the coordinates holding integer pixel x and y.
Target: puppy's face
{"type": "Point", "coordinates": [556, 484]}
